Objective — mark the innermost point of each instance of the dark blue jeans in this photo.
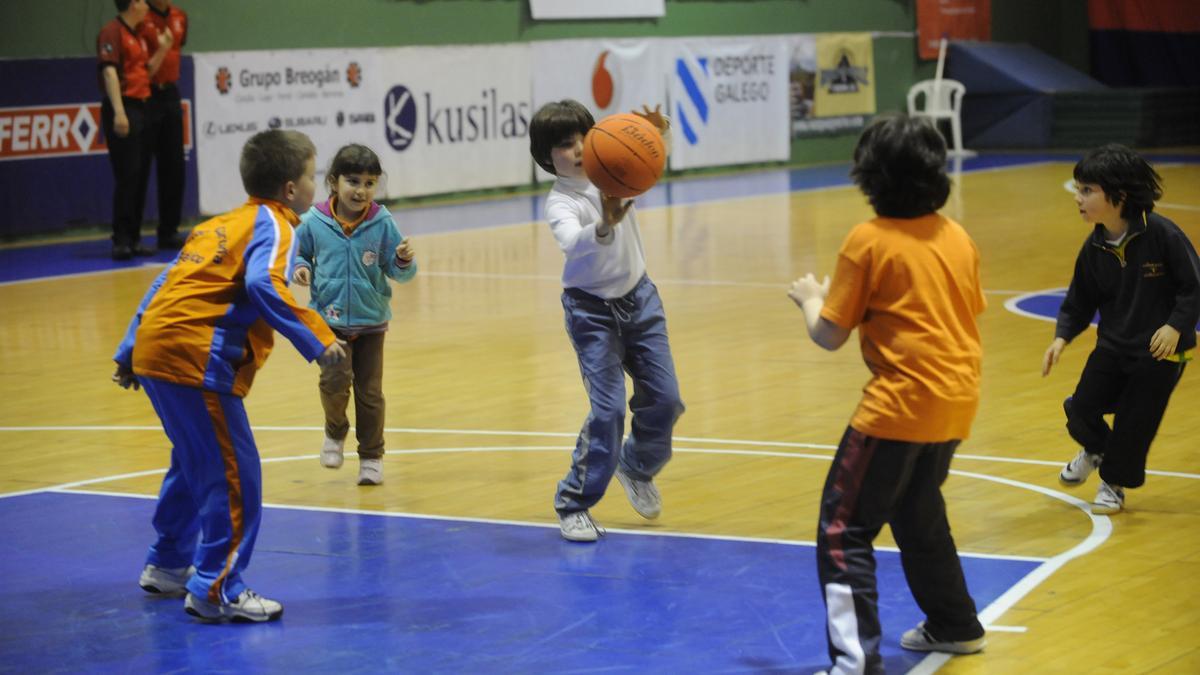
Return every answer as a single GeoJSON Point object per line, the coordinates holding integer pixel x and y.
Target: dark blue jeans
{"type": "Point", "coordinates": [611, 338]}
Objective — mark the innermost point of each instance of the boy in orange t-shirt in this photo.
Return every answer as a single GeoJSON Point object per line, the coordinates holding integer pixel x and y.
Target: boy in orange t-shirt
{"type": "Point", "coordinates": [909, 280]}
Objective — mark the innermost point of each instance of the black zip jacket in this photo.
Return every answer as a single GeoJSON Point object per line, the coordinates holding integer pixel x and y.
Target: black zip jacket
{"type": "Point", "coordinates": [1151, 279]}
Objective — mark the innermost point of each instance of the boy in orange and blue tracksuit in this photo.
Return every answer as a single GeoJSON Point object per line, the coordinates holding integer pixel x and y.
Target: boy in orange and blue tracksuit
{"type": "Point", "coordinates": [199, 336]}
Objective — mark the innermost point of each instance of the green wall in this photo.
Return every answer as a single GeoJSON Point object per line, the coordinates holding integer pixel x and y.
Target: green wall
{"type": "Point", "coordinates": [39, 29]}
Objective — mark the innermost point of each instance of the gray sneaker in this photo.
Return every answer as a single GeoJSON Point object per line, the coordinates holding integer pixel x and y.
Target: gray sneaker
{"type": "Point", "coordinates": [370, 472]}
{"type": "Point", "coordinates": [642, 494]}
{"type": "Point", "coordinates": [1077, 470]}
{"type": "Point", "coordinates": [248, 607]}
{"type": "Point", "coordinates": [579, 526]}
{"type": "Point", "coordinates": [167, 582]}
{"type": "Point", "coordinates": [1109, 499]}
{"type": "Point", "coordinates": [331, 453]}
{"type": "Point", "coordinates": [919, 640]}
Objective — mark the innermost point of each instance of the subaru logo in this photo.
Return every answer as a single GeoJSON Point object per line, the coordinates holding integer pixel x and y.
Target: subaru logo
{"type": "Point", "coordinates": [400, 117]}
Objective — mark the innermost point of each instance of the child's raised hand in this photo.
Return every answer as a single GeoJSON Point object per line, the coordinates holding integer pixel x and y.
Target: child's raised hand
{"type": "Point", "coordinates": [1164, 342]}
{"type": "Point", "coordinates": [1050, 358]}
{"type": "Point", "coordinates": [808, 288]}
{"type": "Point", "coordinates": [301, 276]}
{"type": "Point", "coordinates": [614, 210]}
{"type": "Point", "coordinates": [125, 378]}
{"type": "Point", "coordinates": [404, 254]}
{"type": "Point", "coordinates": [654, 117]}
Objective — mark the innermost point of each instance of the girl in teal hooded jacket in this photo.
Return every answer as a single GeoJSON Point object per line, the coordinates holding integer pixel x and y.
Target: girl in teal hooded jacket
{"type": "Point", "coordinates": [347, 247]}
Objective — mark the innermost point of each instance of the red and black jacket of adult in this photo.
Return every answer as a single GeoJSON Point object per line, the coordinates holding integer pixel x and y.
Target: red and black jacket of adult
{"type": "Point", "coordinates": [174, 20]}
{"type": "Point", "coordinates": [1152, 278]}
{"type": "Point", "coordinates": [118, 45]}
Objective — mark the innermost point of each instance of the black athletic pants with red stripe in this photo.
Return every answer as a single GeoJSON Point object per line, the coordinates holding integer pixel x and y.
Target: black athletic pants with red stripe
{"type": "Point", "coordinates": [874, 481]}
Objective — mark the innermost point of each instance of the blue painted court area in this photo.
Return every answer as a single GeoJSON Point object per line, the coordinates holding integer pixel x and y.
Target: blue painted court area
{"type": "Point", "coordinates": [375, 593]}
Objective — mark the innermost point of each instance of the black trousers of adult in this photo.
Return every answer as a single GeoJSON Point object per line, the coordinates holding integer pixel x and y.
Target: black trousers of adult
{"type": "Point", "coordinates": [873, 481]}
{"type": "Point", "coordinates": [125, 154]}
{"type": "Point", "coordinates": [164, 150]}
{"type": "Point", "coordinates": [1135, 389]}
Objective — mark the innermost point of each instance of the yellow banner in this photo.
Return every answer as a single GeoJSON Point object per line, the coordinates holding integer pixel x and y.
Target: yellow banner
{"type": "Point", "coordinates": [845, 75]}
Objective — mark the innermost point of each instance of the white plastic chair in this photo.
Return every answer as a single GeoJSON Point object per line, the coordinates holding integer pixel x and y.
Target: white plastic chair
{"type": "Point", "coordinates": [940, 100]}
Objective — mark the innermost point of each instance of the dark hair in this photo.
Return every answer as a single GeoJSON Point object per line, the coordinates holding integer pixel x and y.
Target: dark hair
{"type": "Point", "coordinates": [272, 158]}
{"type": "Point", "coordinates": [554, 123]}
{"type": "Point", "coordinates": [122, 5]}
{"type": "Point", "coordinates": [353, 158]}
{"type": "Point", "coordinates": [1124, 176]}
{"type": "Point", "coordinates": [900, 165]}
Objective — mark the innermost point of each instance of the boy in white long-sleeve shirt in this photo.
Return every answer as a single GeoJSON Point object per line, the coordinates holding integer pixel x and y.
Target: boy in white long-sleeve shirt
{"type": "Point", "coordinates": [616, 323]}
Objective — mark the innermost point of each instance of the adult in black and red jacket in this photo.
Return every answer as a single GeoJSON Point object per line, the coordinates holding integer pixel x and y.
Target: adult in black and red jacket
{"type": "Point", "coordinates": [125, 70]}
{"type": "Point", "coordinates": [163, 147]}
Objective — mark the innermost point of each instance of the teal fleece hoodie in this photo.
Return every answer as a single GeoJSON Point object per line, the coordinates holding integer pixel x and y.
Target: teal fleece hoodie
{"type": "Point", "coordinates": [349, 273]}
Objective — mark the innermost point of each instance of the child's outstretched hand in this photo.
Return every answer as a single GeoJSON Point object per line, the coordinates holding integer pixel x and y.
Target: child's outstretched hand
{"type": "Point", "coordinates": [404, 254]}
{"type": "Point", "coordinates": [1164, 342]}
{"type": "Point", "coordinates": [614, 211]}
{"type": "Point", "coordinates": [125, 378]}
{"type": "Point", "coordinates": [1053, 352]}
{"type": "Point", "coordinates": [301, 276]}
{"type": "Point", "coordinates": [808, 288]}
{"type": "Point", "coordinates": [654, 117]}
{"type": "Point", "coordinates": [660, 122]}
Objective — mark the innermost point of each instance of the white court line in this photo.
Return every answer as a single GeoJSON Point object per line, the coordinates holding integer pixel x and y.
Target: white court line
{"type": "Point", "coordinates": [1069, 186]}
{"type": "Point", "coordinates": [559, 434]}
{"type": "Point", "coordinates": [1101, 530]}
{"type": "Point", "coordinates": [75, 487]}
{"type": "Point", "coordinates": [1011, 303]}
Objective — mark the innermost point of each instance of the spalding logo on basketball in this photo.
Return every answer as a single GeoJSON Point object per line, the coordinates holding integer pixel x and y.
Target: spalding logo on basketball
{"type": "Point", "coordinates": [623, 155]}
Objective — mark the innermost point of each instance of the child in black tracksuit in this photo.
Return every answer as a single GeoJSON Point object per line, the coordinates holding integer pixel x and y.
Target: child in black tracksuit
{"type": "Point", "coordinates": [1141, 273]}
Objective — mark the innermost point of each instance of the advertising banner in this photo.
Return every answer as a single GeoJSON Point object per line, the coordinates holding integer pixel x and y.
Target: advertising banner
{"type": "Point", "coordinates": [595, 9]}
{"type": "Point", "coordinates": [329, 94]}
{"type": "Point", "coordinates": [441, 119]}
{"type": "Point", "coordinates": [54, 170]}
{"type": "Point", "coordinates": [845, 75]}
{"type": "Point", "coordinates": [953, 20]}
{"type": "Point", "coordinates": [802, 86]}
{"type": "Point", "coordinates": [454, 118]}
{"type": "Point", "coordinates": [728, 100]}
{"type": "Point", "coordinates": [606, 76]}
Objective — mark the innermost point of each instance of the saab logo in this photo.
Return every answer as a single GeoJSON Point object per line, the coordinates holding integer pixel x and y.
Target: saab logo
{"type": "Point", "coordinates": [354, 74]}
{"type": "Point", "coordinates": [400, 117]}
{"type": "Point", "coordinates": [65, 130]}
{"type": "Point", "coordinates": [845, 77]}
{"type": "Point", "coordinates": [604, 82]}
{"type": "Point", "coordinates": [224, 80]}
{"type": "Point", "coordinates": [697, 113]}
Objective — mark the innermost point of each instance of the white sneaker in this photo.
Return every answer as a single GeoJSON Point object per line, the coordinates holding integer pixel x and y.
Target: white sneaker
{"type": "Point", "coordinates": [1109, 499]}
{"type": "Point", "coordinates": [1077, 470]}
{"type": "Point", "coordinates": [642, 494]}
{"type": "Point", "coordinates": [331, 453]}
{"type": "Point", "coordinates": [167, 582]}
{"type": "Point", "coordinates": [249, 606]}
{"type": "Point", "coordinates": [370, 472]}
{"type": "Point", "coordinates": [579, 526]}
{"type": "Point", "coordinates": [919, 640]}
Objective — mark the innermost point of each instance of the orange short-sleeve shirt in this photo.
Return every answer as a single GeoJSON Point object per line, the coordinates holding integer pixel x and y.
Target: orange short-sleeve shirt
{"type": "Point", "coordinates": [911, 287]}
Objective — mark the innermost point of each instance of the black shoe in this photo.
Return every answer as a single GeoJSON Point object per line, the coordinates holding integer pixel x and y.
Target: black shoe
{"type": "Point", "coordinates": [142, 250]}
{"type": "Point", "coordinates": [170, 242]}
{"type": "Point", "coordinates": [121, 252]}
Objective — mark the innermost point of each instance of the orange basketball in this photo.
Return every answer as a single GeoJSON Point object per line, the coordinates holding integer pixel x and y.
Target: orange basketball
{"type": "Point", "coordinates": [623, 155]}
